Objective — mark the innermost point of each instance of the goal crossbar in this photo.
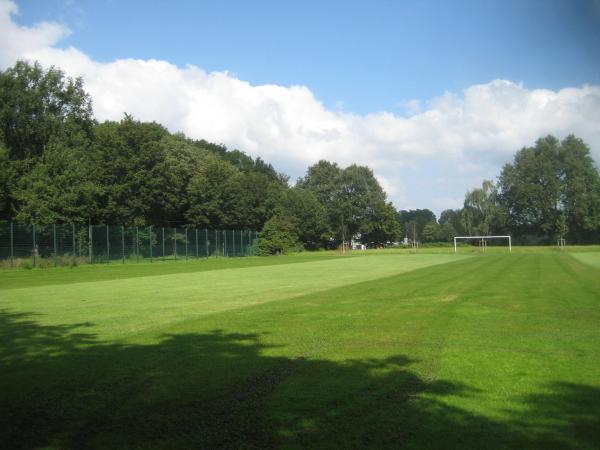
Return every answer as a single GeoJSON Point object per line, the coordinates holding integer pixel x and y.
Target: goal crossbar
{"type": "Point", "coordinates": [485, 237]}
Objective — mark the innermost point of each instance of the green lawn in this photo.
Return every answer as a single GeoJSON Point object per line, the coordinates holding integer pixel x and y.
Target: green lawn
{"type": "Point", "coordinates": [317, 351]}
{"type": "Point", "coordinates": [593, 259]}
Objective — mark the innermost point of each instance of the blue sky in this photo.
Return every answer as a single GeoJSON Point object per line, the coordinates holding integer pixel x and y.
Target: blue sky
{"type": "Point", "coordinates": [370, 56]}
{"type": "Point", "coordinates": [383, 72]}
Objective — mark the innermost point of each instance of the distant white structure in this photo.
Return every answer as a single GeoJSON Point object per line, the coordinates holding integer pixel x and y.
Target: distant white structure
{"type": "Point", "coordinates": [357, 245]}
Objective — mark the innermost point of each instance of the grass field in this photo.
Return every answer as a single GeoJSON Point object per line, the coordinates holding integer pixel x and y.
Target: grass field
{"type": "Point", "coordinates": [384, 350]}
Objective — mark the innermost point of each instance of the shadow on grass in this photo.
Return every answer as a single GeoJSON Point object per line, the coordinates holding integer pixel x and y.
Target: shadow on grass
{"type": "Point", "coordinates": [65, 389]}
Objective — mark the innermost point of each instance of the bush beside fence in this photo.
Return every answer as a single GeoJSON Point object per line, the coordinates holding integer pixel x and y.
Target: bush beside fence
{"type": "Point", "coordinates": [53, 245]}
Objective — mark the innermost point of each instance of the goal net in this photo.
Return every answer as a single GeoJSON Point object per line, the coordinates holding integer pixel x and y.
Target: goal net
{"type": "Point", "coordinates": [483, 241]}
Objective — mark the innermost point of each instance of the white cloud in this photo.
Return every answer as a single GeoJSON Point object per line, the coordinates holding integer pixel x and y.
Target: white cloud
{"type": "Point", "coordinates": [463, 137]}
{"type": "Point", "coordinates": [17, 40]}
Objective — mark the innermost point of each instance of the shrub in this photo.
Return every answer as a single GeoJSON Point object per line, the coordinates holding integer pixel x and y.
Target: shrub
{"type": "Point", "coordinates": [277, 237]}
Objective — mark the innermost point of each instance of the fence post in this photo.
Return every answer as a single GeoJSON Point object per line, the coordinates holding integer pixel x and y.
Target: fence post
{"type": "Point", "coordinates": [206, 241]}
{"type": "Point", "coordinates": [12, 245]}
{"type": "Point", "coordinates": [74, 244]}
{"type": "Point", "coordinates": [186, 243]}
{"type": "Point", "coordinates": [123, 243]}
{"type": "Point", "coordinates": [90, 243]}
{"type": "Point", "coordinates": [107, 247]}
{"type": "Point", "coordinates": [216, 244]}
{"type": "Point", "coordinates": [137, 245]}
{"type": "Point", "coordinates": [196, 232]}
{"type": "Point", "coordinates": [150, 238]}
{"type": "Point", "coordinates": [54, 242]}
{"type": "Point", "coordinates": [175, 242]}
{"type": "Point", "coordinates": [34, 246]}
{"type": "Point", "coordinates": [225, 252]}
{"type": "Point", "coordinates": [163, 242]}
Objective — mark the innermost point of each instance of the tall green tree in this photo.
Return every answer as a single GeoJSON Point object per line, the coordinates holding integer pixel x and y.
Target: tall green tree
{"type": "Point", "coordinates": [37, 105]}
{"type": "Point", "coordinates": [482, 213]}
{"type": "Point", "coordinates": [321, 179]}
{"type": "Point", "coordinates": [358, 195]}
{"type": "Point", "coordinates": [580, 201]}
{"type": "Point", "coordinates": [547, 181]}
{"type": "Point", "coordinates": [5, 185]}
{"type": "Point", "coordinates": [62, 187]}
{"type": "Point", "coordinates": [178, 161]}
{"type": "Point", "coordinates": [413, 222]}
{"type": "Point", "coordinates": [432, 232]}
{"type": "Point", "coordinates": [278, 236]}
{"type": "Point", "coordinates": [383, 227]}
{"type": "Point", "coordinates": [307, 214]}
{"type": "Point", "coordinates": [352, 198]}
{"type": "Point", "coordinates": [216, 195]}
{"type": "Point", "coordinates": [259, 192]}
{"type": "Point", "coordinates": [450, 220]}
{"type": "Point", "coordinates": [132, 168]}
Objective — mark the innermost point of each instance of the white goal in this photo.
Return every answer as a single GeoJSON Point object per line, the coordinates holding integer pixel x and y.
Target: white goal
{"type": "Point", "coordinates": [484, 239]}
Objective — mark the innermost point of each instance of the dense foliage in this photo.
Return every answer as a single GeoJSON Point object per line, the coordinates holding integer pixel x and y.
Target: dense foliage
{"type": "Point", "coordinates": [59, 165]}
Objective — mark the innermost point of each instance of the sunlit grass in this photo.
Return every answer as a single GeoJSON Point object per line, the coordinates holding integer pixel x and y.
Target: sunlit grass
{"type": "Point", "coordinates": [382, 351]}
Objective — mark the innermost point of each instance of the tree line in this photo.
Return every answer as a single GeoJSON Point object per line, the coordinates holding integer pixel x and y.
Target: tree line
{"type": "Point", "coordinates": [550, 191]}
{"type": "Point", "coordinates": [58, 164]}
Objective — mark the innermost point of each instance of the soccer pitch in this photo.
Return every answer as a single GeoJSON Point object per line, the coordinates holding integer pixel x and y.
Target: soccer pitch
{"type": "Point", "coordinates": [374, 351]}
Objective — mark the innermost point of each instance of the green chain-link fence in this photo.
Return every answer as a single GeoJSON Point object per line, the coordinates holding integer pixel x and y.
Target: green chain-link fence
{"type": "Point", "coordinates": [53, 245]}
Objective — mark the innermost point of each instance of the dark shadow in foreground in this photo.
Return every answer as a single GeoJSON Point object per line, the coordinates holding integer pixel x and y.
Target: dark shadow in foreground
{"type": "Point", "coordinates": [64, 389]}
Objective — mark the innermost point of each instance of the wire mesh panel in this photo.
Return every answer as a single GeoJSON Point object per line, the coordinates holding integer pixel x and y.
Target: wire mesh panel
{"type": "Point", "coordinates": [44, 241]}
{"type": "Point", "coordinates": [229, 243]}
{"type": "Point", "coordinates": [220, 243]}
{"type": "Point", "coordinates": [98, 248]}
{"type": "Point", "coordinates": [82, 241]}
{"type": "Point", "coordinates": [184, 242]}
{"type": "Point", "coordinates": [213, 243]}
{"type": "Point", "coordinates": [6, 246]}
{"type": "Point", "coordinates": [180, 243]}
{"type": "Point", "coordinates": [250, 248]}
{"type": "Point", "coordinates": [24, 240]}
{"type": "Point", "coordinates": [115, 244]}
{"type": "Point", "coordinates": [224, 243]}
{"type": "Point", "coordinates": [170, 243]}
{"type": "Point", "coordinates": [193, 246]}
{"type": "Point", "coordinates": [207, 242]}
{"type": "Point", "coordinates": [65, 240]}
{"type": "Point", "coordinates": [146, 239]}
{"type": "Point", "coordinates": [157, 240]}
{"type": "Point", "coordinates": [232, 244]}
{"type": "Point", "coordinates": [131, 245]}
{"type": "Point", "coordinates": [239, 243]}
{"type": "Point", "coordinates": [41, 246]}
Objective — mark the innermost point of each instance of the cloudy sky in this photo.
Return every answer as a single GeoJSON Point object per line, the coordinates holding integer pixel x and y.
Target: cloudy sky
{"type": "Point", "coordinates": [434, 96]}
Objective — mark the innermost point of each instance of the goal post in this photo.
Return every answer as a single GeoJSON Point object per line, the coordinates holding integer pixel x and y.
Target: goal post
{"type": "Point", "coordinates": [484, 238]}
